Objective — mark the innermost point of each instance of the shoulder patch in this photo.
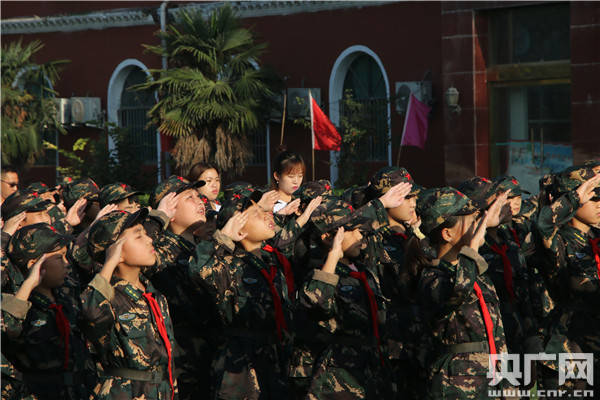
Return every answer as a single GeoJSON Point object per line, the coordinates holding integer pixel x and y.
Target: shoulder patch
{"type": "Point", "coordinates": [580, 255]}
{"type": "Point", "coordinates": [126, 317]}
{"type": "Point", "coordinates": [347, 288]}
{"type": "Point", "coordinates": [39, 322]}
{"type": "Point", "coordinates": [250, 281]}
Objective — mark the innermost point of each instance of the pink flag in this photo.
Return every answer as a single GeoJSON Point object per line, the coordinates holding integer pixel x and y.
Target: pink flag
{"type": "Point", "coordinates": [415, 124]}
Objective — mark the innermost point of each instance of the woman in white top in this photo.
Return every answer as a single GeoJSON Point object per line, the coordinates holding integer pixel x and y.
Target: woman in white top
{"type": "Point", "coordinates": [209, 174]}
{"type": "Point", "coordinates": [288, 173]}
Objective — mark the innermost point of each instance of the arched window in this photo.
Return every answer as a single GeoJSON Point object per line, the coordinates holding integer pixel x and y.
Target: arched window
{"type": "Point", "coordinates": [132, 115]}
{"type": "Point", "coordinates": [367, 85]}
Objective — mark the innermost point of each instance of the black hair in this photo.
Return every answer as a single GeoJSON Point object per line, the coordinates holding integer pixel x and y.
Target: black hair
{"type": "Point", "coordinates": [8, 168]}
{"type": "Point", "coordinates": [285, 162]}
{"type": "Point", "coordinates": [198, 169]}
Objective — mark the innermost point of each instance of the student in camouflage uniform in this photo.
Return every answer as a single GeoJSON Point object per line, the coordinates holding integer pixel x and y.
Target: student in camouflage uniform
{"type": "Point", "coordinates": [572, 266]}
{"type": "Point", "coordinates": [458, 297]}
{"type": "Point", "coordinates": [406, 336]}
{"type": "Point", "coordinates": [125, 317]}
{"type": "Point", "coordinates": [120, 194]}
{"type": "Point", "coordinates": [82, 189]}
{"type": "Point", "coordinates": [250, 284]}
{"type": "Point", "coordinates": [45, 342]}
{"type": "Point", "coordinates": [192, 311]}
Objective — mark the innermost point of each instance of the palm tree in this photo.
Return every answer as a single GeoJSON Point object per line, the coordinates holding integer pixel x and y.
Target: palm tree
{"type": "Point", "coordinates": [27, 107]}
{"type": "Point", "coordinates": [212, 95]}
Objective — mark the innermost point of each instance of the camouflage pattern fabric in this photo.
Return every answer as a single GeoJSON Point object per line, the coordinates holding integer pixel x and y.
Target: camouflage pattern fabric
{"type": "Point", "coordinates": [32, 241]}
{"type": "Point", "coordinates": [454, 316]}
{"type": "Point", "coordinates": [39, 187]}
{"type": "Point", "coordinates": [57, 218]}
{"type": "Point", "coordinates": [252, 362]}
{"type": "Point", "coordinates": [435, 205]}
{"type": "Point", "coordinates": [22, 201]}
{"type": "Point", "coordinates": [34, 343]}
{"type": "Point", "coordinates": [115, 192]}
{"type": "Point", "coordinates": [118, 321]}
{"type": "Point", "coordinates": [571, 270]}
{"type": "Point", "coordinates": [83, 188]}
{"type": "Point", "coordinates": [349, 365]}
{"type": "Point", "coordinates": [387, 177]}
{"type": "Point", "coordinates": [192, 312]}
{"type": "Point", "coordinates": [480, 190]}
{"type": "Point", "coordinates": [173, 184]}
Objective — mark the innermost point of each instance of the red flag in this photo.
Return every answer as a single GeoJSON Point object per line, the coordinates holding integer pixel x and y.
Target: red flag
{"type": "Point", "coordinates": [415, 124]}
{"type": "Point", "coordinates": [324, 134]}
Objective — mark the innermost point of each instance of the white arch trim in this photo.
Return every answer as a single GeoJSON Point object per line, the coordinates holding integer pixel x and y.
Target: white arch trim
{"type": "Point", "coordinates": [336, 93]}
{"type": "Point", "coordinates": [113, 99]}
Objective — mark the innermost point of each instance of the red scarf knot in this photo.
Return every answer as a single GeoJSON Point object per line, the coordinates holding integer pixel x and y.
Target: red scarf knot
{"type": "Point", "coordinates": [508, 278]}
{"type": "Point", "coordinates": [162, 330]}
{"type": "Point", "coordinates": [64, 328]}
{"type": "Point", "coordinates": [287, 269]}
{"type": "Point", "coordinates": [279, 318]}
{"type": "Point", "coordinates": [362, 277]}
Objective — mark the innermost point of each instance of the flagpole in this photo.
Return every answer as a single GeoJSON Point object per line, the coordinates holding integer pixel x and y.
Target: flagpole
{"type": "Point", "coordinates": [283, 117]}
{"type": "Point", "coordinates": [312, 133]}
{"type": "Point", "coordinates": [404, 129]}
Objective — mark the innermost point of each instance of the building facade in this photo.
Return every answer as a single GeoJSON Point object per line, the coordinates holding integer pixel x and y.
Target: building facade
{"type": "Point", "coordinates": [526, 75]}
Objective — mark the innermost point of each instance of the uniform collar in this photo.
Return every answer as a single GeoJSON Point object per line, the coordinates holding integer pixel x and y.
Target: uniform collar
{"type": "Point", "coordinates": [130, 290]}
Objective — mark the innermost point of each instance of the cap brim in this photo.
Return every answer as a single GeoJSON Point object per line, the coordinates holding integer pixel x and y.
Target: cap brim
{"type": "Point", "coordinates": [135, 218]}
{"type": "Point", "coordinates": [471, 207]}
{"type": "Point", "coordinates": [41, 206]}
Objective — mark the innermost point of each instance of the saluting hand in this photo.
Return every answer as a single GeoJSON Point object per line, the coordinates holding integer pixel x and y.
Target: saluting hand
{"type": "Point", "coordinates": [233, 227]}
{"type": "Point", "coordinates": [13, 223]}
{"type": "Point", "coordinates": [310, 208]}
{"type": "Point", "coordinates": [336, 252]}
{"type": "Point", "coordinates": [585, 191]}
{"type": "Point", "coordinates": [478, 236]}
{"type": "Point", "coordinates": [268, 200]}
{"type": "Point", "coordinates": [105, 210]}
{"type": "Point", "coordinates": [76, 212]}
{"type": "Point", "coordinates": [36, 274]}
{"type": "Point", "coordinates": [168, 204]}
{"type": "Point", "coordinates": [396, 195]}
{"type": "Point", "coordinates": [290, 208]}
{"type": "Point", "coordinates": [113, 258]}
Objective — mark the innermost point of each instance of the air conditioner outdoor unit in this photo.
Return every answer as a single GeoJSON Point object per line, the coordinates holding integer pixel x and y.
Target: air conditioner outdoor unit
{"type": "Point", "coordinates": [63, 110]}
{"type": "Point", "coordinates": [85, 109]}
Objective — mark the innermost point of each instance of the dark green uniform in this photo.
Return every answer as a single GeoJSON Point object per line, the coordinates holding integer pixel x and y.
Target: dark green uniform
{"type": "Point", "coordinates": [251, 296]}
{"type": "Point", "coordinates": [572, 268]}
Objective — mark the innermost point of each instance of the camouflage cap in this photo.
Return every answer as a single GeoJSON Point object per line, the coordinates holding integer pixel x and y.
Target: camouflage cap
{"type": "Point", "coordinates": [387, 177]}
{"type": "Point", "coordinates": [479, 189]}
{"type": "Point", "coordinates": [243, 189]}
{"type": "Point", "coordinates": [240, 199]}
{"type": "Point", "coordinates": [312, 189]}
{"type": "Point", "coordinates": [174, 184]}
{"type": "Point", "coordinates": [334, 212]}
{"type": "Point", "coordinates": [32, 241]}
{"type": "Point", "coordinates": [435, 205]}
{"type": "Point", "coordinates": [108, 228]}
{"type": "Point", "coordinates": [64, 181]}
{"type": "Point", "coordinates": [39, 187]}
{"type": "Point", "coordinates": [504, 183]}
{"type": "Point", "coordinates": [115, 192]}
{"type": "Point", "coordinates": [593, 163]}
{"type": "Point", "coordinates": [571, 178]}
{"type": "Point", "coordinates": [20, 201]}
{"type": "Point", "coordinates": [83, 188]}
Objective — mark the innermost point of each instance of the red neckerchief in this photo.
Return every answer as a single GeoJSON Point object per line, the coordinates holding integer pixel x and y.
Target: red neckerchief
{"type": "Point", "coordinates": [162, 330]}
{"type": "Point", "coordinates": [508, 278]}
{"type": "Point", "coordinates": [362, 276]}
{"type": "Point", "coordinates": [287, 269]}
{"type": "Point", "coordinates": [596, 250]}
{"type": "Point", "coordinates": [487, 319]}
{"type": "Point", "coordinates": [279, 318]}
{"type": "Point", "coordinates": [64, 328]}
{"type": "Point", "coordinates": [401, 234]}
{"type": "Point", "coordinates": [515, 236]}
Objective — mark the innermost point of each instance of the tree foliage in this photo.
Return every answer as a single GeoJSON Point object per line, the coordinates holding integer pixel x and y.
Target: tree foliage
{"type": "Point", "coordinates": [27, 106]}
{"type": "Point", "coordinates": [212, 95]}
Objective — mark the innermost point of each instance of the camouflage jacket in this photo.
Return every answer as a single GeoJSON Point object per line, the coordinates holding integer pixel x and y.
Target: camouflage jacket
{"type": "Point", "coordinates": [513, 291]}
{"type": "Point", "coordinates": [33, 341]}
{"type": "Point", "coordinates": [119, 323]}
{"type": "Point", "coordinates": [12, 277]}
{"type": "Point", "coordinates": [452, 308]}
{"type": "Point", "coordinates": [572, 270]}
{"type": "Point", "coordinates": [339, 306]}
{"type": "Point", "coordinates": [256, 337]}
